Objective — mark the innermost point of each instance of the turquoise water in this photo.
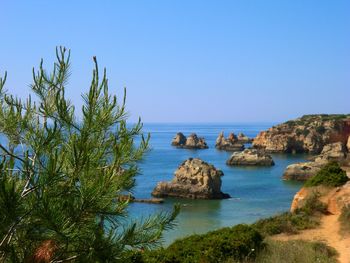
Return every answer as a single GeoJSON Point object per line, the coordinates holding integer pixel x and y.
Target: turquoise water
{"type": "Point", "coordinates": [256, 192]}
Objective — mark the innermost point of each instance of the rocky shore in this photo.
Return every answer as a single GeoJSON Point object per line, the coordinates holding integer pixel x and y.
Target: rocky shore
{"type": "Point", "coordinates": [194, 179]}
{"type": "Point", "coordinates": [302, 171]}
{"type": "Point", "coordinates": [191, 142]}
{"type": "Point", "coordinates": [252, 157]}
{"type": "Point", "coordinates": [308, 134]}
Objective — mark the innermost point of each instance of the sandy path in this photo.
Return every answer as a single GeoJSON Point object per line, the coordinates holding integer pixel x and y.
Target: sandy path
{"type": "Point", "coordinates": [328, 232]}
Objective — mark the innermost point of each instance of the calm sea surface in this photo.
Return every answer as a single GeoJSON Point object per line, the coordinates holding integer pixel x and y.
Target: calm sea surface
{"type": "Point", "coordinates": [256, 192]}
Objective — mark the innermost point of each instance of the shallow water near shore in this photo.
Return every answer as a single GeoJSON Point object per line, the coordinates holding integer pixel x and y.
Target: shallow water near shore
{"type": "Point", "coordinates": [256, 192]}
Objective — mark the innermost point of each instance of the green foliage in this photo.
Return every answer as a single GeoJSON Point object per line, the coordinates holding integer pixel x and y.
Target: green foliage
{"type": "Point", "coordinates": [60, 175]}
{"type": "Point", "coordinates": [330, 175]}
{"type": "Point", "coordinates": [320, 129]}
{"type": "Point", "coordinates": [290, 223]}
{"type": "Point", "coordinates": [313, 206]}
{"type": "Point", "coordinates": [236, 243]}
{"type": "Point", "coordinates": [296, 251]}
{"type": "Point", "coordinates": [344, 219]}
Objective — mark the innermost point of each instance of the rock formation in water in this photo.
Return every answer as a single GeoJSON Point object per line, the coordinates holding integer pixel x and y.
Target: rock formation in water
{"type": "Point", "coordinates": [308, 134]}
{"type": "Point", "coordinates": [303, 171]}
{"type": "Point", "coordinates": [193, 179]}
{"type": "Point", "coordinates": [191, 142]}
{"type": "Point", "coordinates": [243, 138]}
{"type": "Point", "coordinates": [251, 157]}
{"type": "Point", "coordinates": [230, 143]}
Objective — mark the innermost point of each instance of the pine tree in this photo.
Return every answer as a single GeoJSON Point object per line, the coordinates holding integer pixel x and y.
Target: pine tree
{"type": "Point", "coordinates": [61, 175]}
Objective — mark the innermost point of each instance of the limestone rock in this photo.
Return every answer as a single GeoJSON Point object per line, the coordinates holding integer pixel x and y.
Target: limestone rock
{"type": "Point", "coordinates": [243, 138]}
{"type": "Point", "coordinates": [308, 134]}
{"type": "Point", "coordinates": [303, 171]}
{"type": "Point", "coordinates": [251, 157]}
{"type": "Point", "coordinates": [193, 179]}
{"type": "Point", "coordinates": [179, 139]}
{"type": "Point", "coordinates": [191, 142]}
{"type": "Point", "coordinates": [332, 152]}
{"type": "Point", "coordinates": [230, 143]}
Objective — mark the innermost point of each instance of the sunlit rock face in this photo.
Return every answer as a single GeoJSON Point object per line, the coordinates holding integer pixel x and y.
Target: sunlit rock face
{"type": "Point", "coordinates": [302, 171]}
{"type": "Point", "coordinates": [252, 157]}
{"type": "Point", "coordinates": [231, 143]}
{"type": "Point", "coordinates": [191, 142]}
{"type": "Point", "coordinates": [308, 134]}
{"type": "Point", "coordinates": [193, 179]}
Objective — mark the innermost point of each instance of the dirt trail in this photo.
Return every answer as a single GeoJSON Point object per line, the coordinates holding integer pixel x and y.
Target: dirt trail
{"type": "Point", "coordinates": [328, 232]}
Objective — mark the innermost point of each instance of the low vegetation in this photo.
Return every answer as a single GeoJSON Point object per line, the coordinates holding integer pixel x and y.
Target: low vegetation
{"type": "Point", "coordinates": [296, 251]}
{"type": "Point", "coordinates": [285, 223]}
{"type": "Point", "coordinates": [344, 220]}
{"type": "Point", "coordinates": [237, 243]}
{"type": "Point", "coordinates": [244, 243]}
{"type": "Point", "coordinates": [291, 223]}
{"type": "Point", "coordinates": [330, 175]}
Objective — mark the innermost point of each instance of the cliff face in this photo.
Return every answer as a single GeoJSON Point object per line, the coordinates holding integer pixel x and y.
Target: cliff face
{"type": "Point", "coordinates": [307, 134]}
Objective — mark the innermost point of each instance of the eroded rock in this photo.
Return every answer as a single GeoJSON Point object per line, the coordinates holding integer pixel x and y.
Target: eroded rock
{"type": "Point", "coordinates": [230, 143]}
{"type": "Point", "coordinates": [303, 171]}
{"type": "Point", "coordinates": [193, 179]}
{"type": "Point", "coordinates": [308, 134]}
{"type": "Point", "coordinates": [191, 142]}
{"type": "Point", "coordinates": [251, 157]}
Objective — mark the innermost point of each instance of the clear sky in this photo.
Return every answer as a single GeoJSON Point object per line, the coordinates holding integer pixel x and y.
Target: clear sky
{"type": "Point", "coordinates": [191, 61]}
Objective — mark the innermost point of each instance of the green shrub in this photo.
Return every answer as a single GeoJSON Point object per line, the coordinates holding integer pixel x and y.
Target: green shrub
{"type": "Point", "coordinates": [330, 175]}
{"type": "Point", "coordinates": [296, 251]}
{"type": "Point", "coordinates": [313, 206]}
{"type": "Point", "coordinates": [236, 243]}
{"type": "Point", "coordinates": [344, 219]}
{"type": "Point", "coordinates": [285, 223]}
{"type": "Point", "coordinates": [320, 129]}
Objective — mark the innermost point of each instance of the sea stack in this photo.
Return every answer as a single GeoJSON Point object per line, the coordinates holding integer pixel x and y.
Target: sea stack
{"type": "Point", "coordinates": [194, 179]}
{"type": "Point", "coordinates": [230, 143]}
{"type": "Point", "coordinates": [191, 142]}
{"type": "Point", "coordinates": [251, 157]}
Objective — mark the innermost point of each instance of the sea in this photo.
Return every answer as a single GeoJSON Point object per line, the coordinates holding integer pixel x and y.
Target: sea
{"type": "Point", "coordinates": [256, 192]}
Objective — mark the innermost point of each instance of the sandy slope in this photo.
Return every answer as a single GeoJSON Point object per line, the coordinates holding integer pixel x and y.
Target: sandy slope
{"type": "Point", "coordinates": [328, 232]}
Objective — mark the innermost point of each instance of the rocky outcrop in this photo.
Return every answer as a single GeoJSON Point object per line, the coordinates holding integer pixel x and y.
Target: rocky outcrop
{"type": "Point", "coordinates": [334, 198]}
{"type": "Point", "coordinates": [303, 171]}
{"type": "Point", "coordinates": [230, 143]}
{"type": "Point", "coordinates": [251, 157]}
{"type": "Point", "coordinates": [348, 144]}
{"type": "Point", "coordinates": [193, 179]}
{"type": "Point", "coordinates": [309, 134]}
{"type": "Point", "coordinates": [179, 139]}
{"type": "Point", "coordinates": [332, 152]}
{"type": "Point", "coordinates": [243, 138]}
{"type": "Point", "coordinates": [191, 142]}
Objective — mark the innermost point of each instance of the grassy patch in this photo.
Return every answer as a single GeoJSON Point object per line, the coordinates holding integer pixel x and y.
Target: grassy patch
{"type": "Point", "coordinates": [236, 243]}
{"type": "Point", "coordinates": [330, 175]}
{"type": "Point", "coordinates": [285, 223]}
{"type": "Point", "coordinates": [313, 206]}
{"type": "Point", "coordinates": [344, 220]}
{"type": "Point", "coordinates": [296, 251]}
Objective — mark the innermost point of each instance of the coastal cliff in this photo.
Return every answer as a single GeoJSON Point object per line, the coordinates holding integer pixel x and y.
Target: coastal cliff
{"type": "Point", "coordinates": [308, 134]}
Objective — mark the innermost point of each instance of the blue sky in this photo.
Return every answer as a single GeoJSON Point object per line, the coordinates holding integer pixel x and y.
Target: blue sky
{"type": "Point", "coordinates": [191, 61]}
